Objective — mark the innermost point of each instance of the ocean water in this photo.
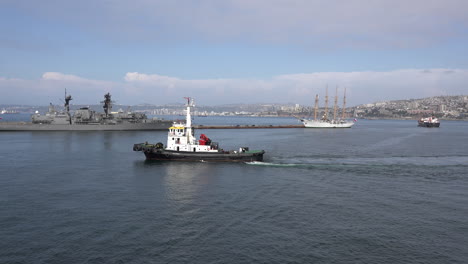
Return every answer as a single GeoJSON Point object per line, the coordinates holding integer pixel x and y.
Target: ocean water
{"type": "Point", "coordinates": [384, 191]}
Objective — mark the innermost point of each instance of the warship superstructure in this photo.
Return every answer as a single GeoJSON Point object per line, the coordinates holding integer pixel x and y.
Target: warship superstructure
{"type": "Point", "coordinates": [86, 119]}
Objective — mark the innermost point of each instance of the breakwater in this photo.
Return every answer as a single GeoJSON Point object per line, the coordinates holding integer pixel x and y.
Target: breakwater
{"type": "Point", "coordinates": [245, 126]}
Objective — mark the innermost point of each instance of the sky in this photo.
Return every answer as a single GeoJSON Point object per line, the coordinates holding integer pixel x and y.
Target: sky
{"type": "Point", "coordinates": [231, 51]}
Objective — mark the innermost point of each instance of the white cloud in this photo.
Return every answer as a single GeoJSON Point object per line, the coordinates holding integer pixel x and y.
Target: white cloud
{"type": "Point", "coordinates": [149, 78]}
{"type": "Point", "coordinates": [362, 87]}
{"type": "Point", "coordinates": [57, 76]}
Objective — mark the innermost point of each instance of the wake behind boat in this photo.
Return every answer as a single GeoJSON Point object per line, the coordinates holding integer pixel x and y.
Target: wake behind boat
{"type": "Point", "coordinates": [325, 122]}
{"type": "Point", "coordinates": [183, 146]}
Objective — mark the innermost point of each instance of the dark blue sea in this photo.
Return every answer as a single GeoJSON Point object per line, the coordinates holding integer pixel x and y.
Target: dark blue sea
{"type": "Point", "coordinates": [384, 191]}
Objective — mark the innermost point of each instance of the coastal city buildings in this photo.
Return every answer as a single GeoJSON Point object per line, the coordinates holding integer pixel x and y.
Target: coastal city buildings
{"type": "Point", "coordinates": [444, 107]}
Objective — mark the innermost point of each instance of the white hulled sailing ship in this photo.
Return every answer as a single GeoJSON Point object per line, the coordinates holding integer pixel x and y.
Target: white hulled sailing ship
{"type": "Point", "coordinates": [325, 121]}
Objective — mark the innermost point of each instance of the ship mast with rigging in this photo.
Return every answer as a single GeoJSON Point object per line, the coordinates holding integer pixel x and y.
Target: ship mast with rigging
{"type": "Point", "coordinates": [325, 115]}
{"type": "Point", "coordinates": [344, 104]}
{"type": "Point", "coordinates": [316, 106]}
{"type": "Point", "coordinates": [335, 107]}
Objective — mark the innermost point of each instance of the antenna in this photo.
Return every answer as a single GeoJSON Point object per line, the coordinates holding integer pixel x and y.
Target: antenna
{"type": "Point", "coordinates": [68, 98]}
{"type": "Point", "coordinates": [190, 101]}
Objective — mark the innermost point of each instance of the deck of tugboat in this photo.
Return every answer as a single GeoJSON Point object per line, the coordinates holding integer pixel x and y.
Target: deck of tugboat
{"type": "Point", "coordinates": [159, 148]}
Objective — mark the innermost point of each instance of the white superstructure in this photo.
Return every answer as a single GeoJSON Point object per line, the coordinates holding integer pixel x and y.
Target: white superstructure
{"type": "Point", "coordinates": [181, 135]}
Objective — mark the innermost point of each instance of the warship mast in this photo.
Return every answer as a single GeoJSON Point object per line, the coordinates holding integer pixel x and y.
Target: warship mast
{"type": "Point", "coordinates": [68, 98]}
{"type": "Point", "coordinates": [107, 104]}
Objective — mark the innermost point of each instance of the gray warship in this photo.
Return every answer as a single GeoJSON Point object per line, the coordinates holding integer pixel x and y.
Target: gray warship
{"type": "Point", "coordinates": [86, 119]}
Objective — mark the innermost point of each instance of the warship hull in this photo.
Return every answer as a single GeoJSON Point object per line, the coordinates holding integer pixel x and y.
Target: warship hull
{"type": "Point", "coordinates": [153, 153]}
{"type": "Point", "coordinates": [28, 126]}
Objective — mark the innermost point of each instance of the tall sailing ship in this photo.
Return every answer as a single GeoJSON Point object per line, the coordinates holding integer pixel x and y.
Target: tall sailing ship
{"type": "Point", "coordinates": [325, 121]}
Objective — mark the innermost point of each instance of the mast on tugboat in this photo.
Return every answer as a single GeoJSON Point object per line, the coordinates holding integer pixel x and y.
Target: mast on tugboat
{"type": "Point", "coordinates": [188, 123]}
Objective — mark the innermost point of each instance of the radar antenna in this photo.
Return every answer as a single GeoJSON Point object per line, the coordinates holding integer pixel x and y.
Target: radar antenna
{"type": "Point", "coordinates": [190, 101]}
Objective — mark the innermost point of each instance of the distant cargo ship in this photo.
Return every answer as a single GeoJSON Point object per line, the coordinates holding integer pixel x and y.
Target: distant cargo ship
{"type": "Point", "coordinates": [429, 122]}
{"type": "Point", "coordinates": [86, 119]}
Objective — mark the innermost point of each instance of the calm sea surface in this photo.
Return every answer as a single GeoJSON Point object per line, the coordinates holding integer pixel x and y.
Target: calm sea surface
{"type": "Point", "coordinates": [380, 192]}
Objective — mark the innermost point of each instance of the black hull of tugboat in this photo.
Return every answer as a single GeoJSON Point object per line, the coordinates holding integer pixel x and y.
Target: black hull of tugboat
{"type": "Point", "coordinates": [168, 155]}
{"type": "Point", "coordinates": [191, 156]}
{"type": "Point", "coordinates": [424, 124]}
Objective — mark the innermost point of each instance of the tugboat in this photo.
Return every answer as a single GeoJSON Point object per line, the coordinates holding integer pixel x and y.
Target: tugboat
{"type": "Point", "coordinates": [182, 145]}
{"type": "Point", "coordinates": [429, 122]}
